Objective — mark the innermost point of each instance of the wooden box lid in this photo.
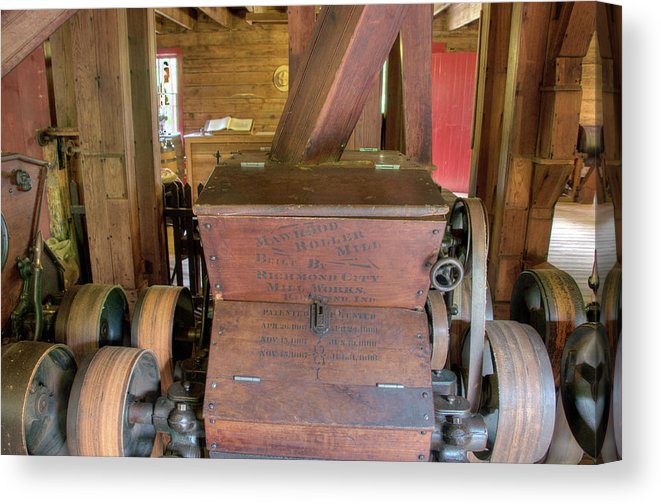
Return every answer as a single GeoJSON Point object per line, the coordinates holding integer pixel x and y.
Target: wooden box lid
{"type": "Point", "coordinates": [249, 185]}
{"type": "Point", "coordinates": [276, 388]}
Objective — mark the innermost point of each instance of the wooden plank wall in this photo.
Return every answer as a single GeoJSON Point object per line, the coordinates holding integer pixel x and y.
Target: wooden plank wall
{"type": "Point", "coordinates": [230, 72]}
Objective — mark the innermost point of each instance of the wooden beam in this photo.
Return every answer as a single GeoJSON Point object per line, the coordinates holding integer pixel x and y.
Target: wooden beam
{"type": "Point", "coordinates": [181, 16]}
{"type": "Point", "coordinates": [107, 157]}
{"type": "Point", "coordinates": [142, 59]}
{"type": "Point", "coordinates": [334, 81]}
{"type": "Point", "coordinates": [266, 17]}
{"type": "Point", "coordinates": [300, 27]}
{"type": "Point", "coordinates": [458, 15]}
{"type": "Point", "coordinates": [220, 15]}
{"type": "Point", "coordinates": [416, 82]}
{"type": "Point", "coordinates": [24, 30]}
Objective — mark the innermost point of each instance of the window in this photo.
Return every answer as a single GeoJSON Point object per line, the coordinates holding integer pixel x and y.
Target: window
{"type": "Point", "coordinates": [169, 107]}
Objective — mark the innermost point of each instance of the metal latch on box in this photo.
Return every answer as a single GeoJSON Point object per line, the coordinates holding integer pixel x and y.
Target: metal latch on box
{"type": "Point", "coordinates": [319, 318]}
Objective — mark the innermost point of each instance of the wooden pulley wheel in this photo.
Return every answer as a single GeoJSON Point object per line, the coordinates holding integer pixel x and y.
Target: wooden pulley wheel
{"type": "Point", "coordinates": [92, 316]}
{"type": "Point", "coordinates": [36, 382]}
{"type": "Point", "coordinates": [438, 329]}
{"type": "Point", "coordinates": [550, 301]}
{"type": "Point", "coordinates": [518, 395]}
{"type": "Point", "coordinates": [163, 315]}
{"type": "Point", "coordinates": [109, 384]}
{"type": "Point", "coordinates": [585, 386]}
{"type": "Point", "coordinates": [611, 309]}
{"type": "Point", "coordinates": [469, 232]}
{"type": "Point", "coordinates": [564, 449]}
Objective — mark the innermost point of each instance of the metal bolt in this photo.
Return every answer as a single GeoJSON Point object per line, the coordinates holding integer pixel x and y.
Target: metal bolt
{"type": "Point", "coordinates": [214, 446]}
{"type": "Point", "coordinates": [187, 386]}
{"type": "Point", "coordinates": [212, 405]}
{"type": "Point", "coordinates": [212, 421]}
{"type": "Point", "coordinates": [213, 258]}
{"type": "Point", "coordinates": [421, 457]}
{"type": "Point", "coordinates": [214, 385]}
{"type": "Point", "coordinates": [425, 395]}
{"type": "Point", "coordinates": [427, 265]}
{"type": "Point", "coordinates": [422, 433]}
{"type": "Point", "coordinates": [426, 416]}
{"type": "Point", "coordinates": [435, 231]}
{"type": "Point", "coordinates": [207, 225]}
{"type": "Point", "coordinates": [451, 399]}
{"type": "Point", "coordinates": [455, 309]}
{"type": "Point", "coordinates": [419, 292]}
{"type": "Point", "coordinates": [217, 286]}
{"type": "Point", "coordinates": [419, 335]}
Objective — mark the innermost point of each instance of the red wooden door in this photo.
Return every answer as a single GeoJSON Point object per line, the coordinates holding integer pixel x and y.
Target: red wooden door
{"type": "Point", "coordinates": [453, 87]}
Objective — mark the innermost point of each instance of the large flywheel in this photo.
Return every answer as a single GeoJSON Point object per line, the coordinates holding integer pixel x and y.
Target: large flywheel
{"type": "Point", "coordinates": [550, 301]}
{"type": "Point", "coordinates": [111, 404]}
{"type": "Point", "coordinates": [36, 382]}
{"type": "Point", "coordinates": [163, 316]}
{"type": "Point", "coordinates": [518, 394]}
{"type": "Point", "coordinates": [91, 316]}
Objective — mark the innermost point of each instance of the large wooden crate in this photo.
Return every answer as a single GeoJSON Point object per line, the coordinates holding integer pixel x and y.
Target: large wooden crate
{"type": "Point", "coordinates": [353, 242]}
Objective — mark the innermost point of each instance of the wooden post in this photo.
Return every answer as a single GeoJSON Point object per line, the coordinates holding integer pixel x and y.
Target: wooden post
{"type": "Point", "coordinates": [349, 45]}
{"type": "Point", "coordinates": [300, 26]}
{"type": "Point", "coordinates": [416, 37]}
{"type": "Point", "coordinates": [490, 100]}
{"type": "Point", "coordinates": [105, 121]}
{"type": "Point", "coordinates": [142, 60]}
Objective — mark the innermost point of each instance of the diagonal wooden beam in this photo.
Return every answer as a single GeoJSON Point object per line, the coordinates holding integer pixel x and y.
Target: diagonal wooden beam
{"type": "Point", "coordinates": [347, 50]}
{"type": "Point", "coordinates": [178, 15]}
{"type": "Point", "coordinates": [24, 30]}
